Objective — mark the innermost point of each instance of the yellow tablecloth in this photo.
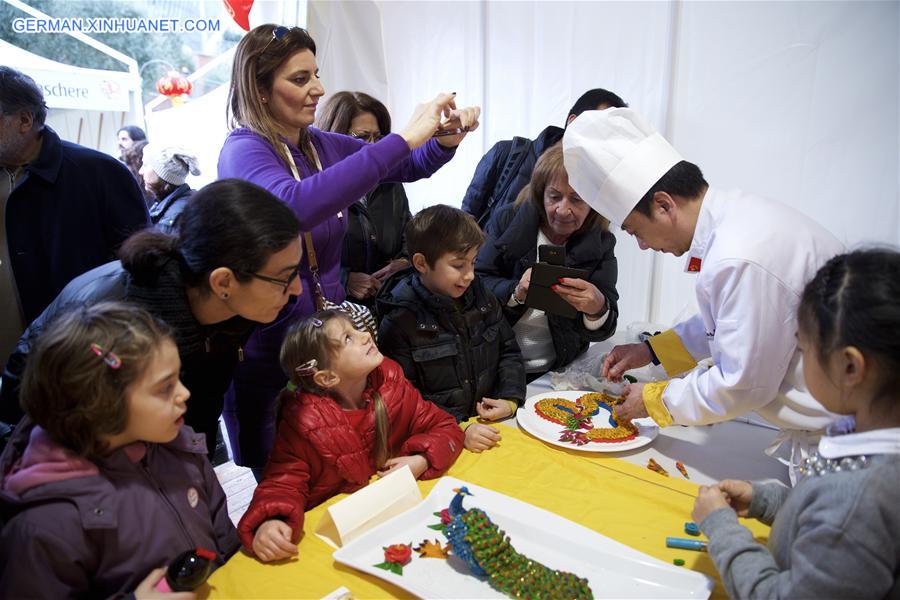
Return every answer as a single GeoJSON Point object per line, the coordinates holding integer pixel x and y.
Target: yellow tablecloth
{"type": "Point", "coordinates": [625, 502]}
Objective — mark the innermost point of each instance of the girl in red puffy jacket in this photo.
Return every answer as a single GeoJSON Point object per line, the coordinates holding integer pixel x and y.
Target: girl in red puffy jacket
{"type": "Point", "coordinates": [347, 413]}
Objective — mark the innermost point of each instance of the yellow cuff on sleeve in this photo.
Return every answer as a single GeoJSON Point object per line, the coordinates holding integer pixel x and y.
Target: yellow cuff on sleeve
{"type": "Point", "coordinates": [514, 406]}
{"type": "Point", "coordinates": [671, 353]}
{"type": "Point", "coordinates": [653, 402]}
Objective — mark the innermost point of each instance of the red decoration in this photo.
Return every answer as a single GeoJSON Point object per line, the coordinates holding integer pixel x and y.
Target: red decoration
{"type": "Point", "coordinates": [398, 553]}
{"type": "Point", "coordinates": [240, 12]}
{"type": "Point", "coordinates": [173, 84]}
{"type": "Point", "coordinates": [694, 265]}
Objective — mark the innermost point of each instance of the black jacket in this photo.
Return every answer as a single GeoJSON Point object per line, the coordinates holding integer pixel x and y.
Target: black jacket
{"type": "Point", "coordinates": [454, 352]}
{"type": "Point", "coordinates": [209, 353]}
{"type": "Point", "coordinates": [69, 214]}
{"type": "Point", "coordinates": [164, 212]}
{"type": "Point", "coordinates": [503, 172]}
{"type": "Point", "coordinates": [375, 229]}
{"type": "Point", "coordinates": [510, 248]}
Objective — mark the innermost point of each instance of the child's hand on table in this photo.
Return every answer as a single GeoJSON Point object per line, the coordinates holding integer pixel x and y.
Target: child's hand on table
{"type": "Point", "coordinates": [709, 499]}
{"type": "Point", "coordinates": [418, 464]}
{"type": "Point", "coordinates": [491, 409]}
{"type": "Point", "coordinates": [738, 494]}
{"type": "Point", "coordinates": [273, 541]}
{"type": "Point", "coordinates": [481, 437]}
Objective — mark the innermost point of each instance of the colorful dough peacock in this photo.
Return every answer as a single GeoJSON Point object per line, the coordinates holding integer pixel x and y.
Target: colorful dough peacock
{"type": "Point", "coordinates": [488, 552]}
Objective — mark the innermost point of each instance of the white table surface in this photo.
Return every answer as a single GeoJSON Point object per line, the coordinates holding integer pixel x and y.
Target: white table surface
{"type": "Point", "coordinates": [729, 450]}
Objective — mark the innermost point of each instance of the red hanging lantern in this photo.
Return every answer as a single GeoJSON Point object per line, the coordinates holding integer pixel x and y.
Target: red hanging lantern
{"type": "Point", "coordinates": [173, 84]}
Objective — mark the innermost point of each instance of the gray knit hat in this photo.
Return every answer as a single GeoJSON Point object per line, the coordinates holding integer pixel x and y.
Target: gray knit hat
{"type": "Point", "coordinates": [171, 163]}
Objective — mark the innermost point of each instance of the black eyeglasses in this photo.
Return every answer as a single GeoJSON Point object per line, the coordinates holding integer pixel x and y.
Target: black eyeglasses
{"type": "Point", "coordinates": [284, 283]}
{"type": "Point", "coordinates": [367, 136]}
{"type": "Point", "coordinates": [278, 34]}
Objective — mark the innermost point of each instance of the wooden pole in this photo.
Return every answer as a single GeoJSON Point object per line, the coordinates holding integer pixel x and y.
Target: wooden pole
{"type": "Point", "coordinates": [99, 131]}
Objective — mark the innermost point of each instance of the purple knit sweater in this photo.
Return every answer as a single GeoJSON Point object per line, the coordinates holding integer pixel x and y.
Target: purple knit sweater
{"type": "Point", "coordinates": [351, 169]}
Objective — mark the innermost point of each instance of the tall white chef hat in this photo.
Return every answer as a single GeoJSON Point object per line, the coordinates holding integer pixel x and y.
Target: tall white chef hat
{"type": "Point", "coordinates": [613, 157]}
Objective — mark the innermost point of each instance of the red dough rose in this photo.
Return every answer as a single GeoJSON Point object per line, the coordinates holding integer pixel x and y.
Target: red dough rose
{"type": "Point", "coordinates": [398, 553]}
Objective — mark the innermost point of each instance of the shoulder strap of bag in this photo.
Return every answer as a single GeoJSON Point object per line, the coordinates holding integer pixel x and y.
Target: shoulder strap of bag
{"type": "Point", "coordinates": [517, 153]}
{"type": "Point", "coordinates": [307, 236]}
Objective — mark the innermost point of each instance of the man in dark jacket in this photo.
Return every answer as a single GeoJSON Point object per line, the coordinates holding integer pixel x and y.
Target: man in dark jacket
{"type": "Point", "coordinates": [64, 208]}
{"type": "Point", "coordinates": [446, 330]}
{"type": "Point", "coordinates": [506, 168]}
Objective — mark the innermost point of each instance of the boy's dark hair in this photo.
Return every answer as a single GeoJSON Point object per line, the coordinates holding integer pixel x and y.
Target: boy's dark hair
{"type": "Point", "coordinates": [854, 300]}
{"type": "Point", "coordinates": [74, 394]}
{"type": "Point", "coordinates": [19, 92]}
{"type": "Point", "coordinates": [684, 179]}
{"type": "Point", "coordinates": [441, 229]}
{"type": "Point", "coordinates": [591, 99]}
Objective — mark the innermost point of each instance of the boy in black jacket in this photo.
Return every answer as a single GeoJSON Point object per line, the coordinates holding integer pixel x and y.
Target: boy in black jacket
{"type": "Point", "coordinates": [446, 330]}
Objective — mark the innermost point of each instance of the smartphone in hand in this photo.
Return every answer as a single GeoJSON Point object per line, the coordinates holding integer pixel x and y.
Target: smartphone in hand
{"type": "Point", "coordinates": [552, 255]}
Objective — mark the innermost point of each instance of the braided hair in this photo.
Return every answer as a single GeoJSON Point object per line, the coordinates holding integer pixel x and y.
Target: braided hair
{"type": "Point", "coordinates": [854, 300]}
{"type": "Point", "coordinates": [307, 349]}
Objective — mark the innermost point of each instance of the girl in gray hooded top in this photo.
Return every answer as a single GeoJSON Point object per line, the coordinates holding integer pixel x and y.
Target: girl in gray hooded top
{"type": "Point", "coordinates": [102, 484]}
{"type": "Point", "coordinates": [837, 533]}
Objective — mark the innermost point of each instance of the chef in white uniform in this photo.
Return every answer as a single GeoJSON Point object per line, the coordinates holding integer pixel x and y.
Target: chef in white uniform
{"type": "Point", "coordinates": [752, 258]}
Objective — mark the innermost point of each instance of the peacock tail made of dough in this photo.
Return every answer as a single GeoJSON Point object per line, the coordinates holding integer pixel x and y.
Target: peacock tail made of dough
{"type": "Point", "coordinates": [487, 551]}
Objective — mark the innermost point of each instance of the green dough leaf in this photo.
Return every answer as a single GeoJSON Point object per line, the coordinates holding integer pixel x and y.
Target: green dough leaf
{"type": "Point", "coordinates": [395, 568]}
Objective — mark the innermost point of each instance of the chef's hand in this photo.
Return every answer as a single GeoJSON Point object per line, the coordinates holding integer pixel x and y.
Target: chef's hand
{"type": "Point", "coordinates": [624, 358]}
{"type": "Point", "coordinates": [633, 405]}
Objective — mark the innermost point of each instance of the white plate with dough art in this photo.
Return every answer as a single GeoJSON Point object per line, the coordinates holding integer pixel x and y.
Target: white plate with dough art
{"type": "Point", "coordinates": [580, 420]}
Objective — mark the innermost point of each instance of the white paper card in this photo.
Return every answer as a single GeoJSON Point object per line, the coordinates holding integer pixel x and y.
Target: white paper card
{"type": "Point", "coordinates": [368, 507]}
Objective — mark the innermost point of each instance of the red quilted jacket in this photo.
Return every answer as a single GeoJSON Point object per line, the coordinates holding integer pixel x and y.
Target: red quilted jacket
{"type": "Point", "coordinates": [318, 454]}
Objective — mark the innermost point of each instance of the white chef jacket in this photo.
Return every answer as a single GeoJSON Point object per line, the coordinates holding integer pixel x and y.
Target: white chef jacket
{"type": "Point", "coordinates": [755, 258]}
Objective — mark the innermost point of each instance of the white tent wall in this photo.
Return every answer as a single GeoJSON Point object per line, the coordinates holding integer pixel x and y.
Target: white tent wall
{"type": "Point", "coordinates": [793, 100]}
{"type": "Point", "coordinates": [198, 126]}
{"type": "Point", "coordinates": [797, 101]}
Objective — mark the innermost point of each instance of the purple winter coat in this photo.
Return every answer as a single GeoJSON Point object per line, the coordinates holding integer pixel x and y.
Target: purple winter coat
{"type": "Point", "coordinates": [99, 536]}
{"type": "Point", "coordinates": [351, 168]}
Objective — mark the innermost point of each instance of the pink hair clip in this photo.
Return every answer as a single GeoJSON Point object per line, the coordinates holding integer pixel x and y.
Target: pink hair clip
{"type": "Point", "coordinates": [308, 368]}
{"type": "Point", "coordinates": [110, 358]}
{"type": "Point", "coordinates": [316, 322]}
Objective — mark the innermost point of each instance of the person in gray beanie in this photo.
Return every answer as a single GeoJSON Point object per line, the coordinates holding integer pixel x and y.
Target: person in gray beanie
{"type": "Point", "coordinates": [165, 169]}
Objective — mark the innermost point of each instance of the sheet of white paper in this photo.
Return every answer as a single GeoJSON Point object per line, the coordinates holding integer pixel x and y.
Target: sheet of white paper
{"type": "Point", "coordinates": [368, 507]}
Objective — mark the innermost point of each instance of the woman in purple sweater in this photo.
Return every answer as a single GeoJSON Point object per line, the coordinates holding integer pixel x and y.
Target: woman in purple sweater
{"type": "Point", "coordinates": [275, 88]}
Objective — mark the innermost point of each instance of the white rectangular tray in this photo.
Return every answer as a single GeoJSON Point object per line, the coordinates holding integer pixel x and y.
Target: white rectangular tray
{"type": "Point", "coordinates": [614, 570]}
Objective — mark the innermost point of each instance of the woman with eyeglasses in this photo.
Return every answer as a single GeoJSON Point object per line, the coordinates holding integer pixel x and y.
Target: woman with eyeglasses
{"type": "Point", "coordinates": [275, 89]}
{"type": "Point", "coordinates": [373, 245]}
{"type": "Point", "coordinates": [231, 266]}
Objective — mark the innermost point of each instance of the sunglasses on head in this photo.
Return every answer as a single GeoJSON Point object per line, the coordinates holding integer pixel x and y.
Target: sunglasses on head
{"type": "Point", "coordinates": [278, 34]}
